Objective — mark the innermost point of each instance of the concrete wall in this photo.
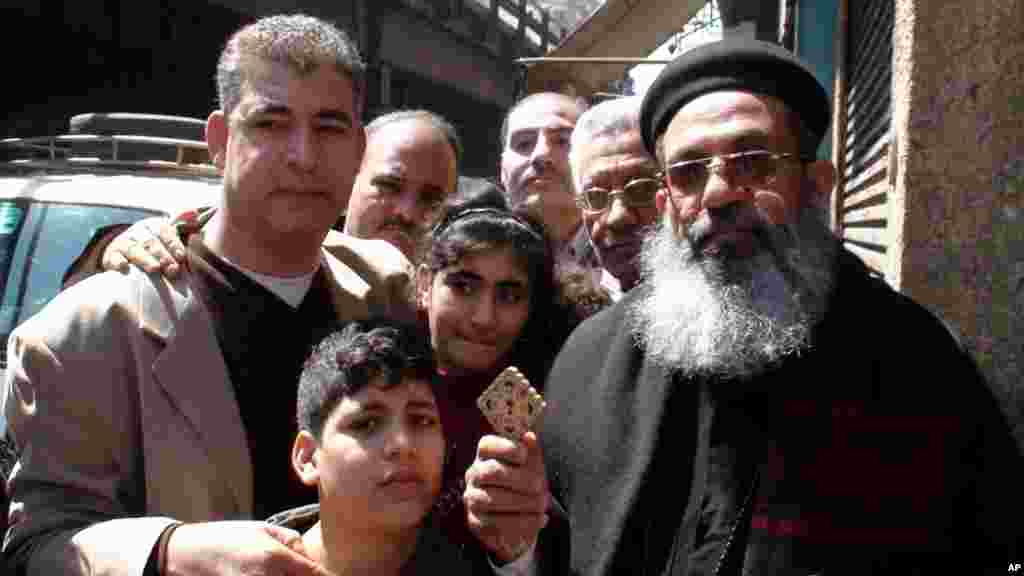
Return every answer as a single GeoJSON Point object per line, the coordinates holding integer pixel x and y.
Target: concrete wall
{"type": "Point", "coordinates": [409, 42]}
{"type": "Point", "coordinates": [477, 121]}
{"type": "Point", "coordinates": [958, 206]}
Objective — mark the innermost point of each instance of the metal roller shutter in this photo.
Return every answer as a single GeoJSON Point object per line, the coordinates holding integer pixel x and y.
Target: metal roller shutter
{"type": "Point", "coordinates": [865, 120]}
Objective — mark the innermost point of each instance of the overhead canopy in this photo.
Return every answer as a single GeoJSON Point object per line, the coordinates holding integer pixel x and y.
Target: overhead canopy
{"type": "Point", "coordinates": [619, 28]}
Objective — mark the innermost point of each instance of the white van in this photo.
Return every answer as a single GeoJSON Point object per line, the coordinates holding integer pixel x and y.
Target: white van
{"type": "Point", "coordinates": [57, 191]}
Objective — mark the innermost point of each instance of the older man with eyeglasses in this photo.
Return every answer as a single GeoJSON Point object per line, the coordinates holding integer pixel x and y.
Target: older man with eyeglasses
{"type": "Point", "coordinates": [616, 181]}
{"type": "Point", "coordinates": [761, 403]}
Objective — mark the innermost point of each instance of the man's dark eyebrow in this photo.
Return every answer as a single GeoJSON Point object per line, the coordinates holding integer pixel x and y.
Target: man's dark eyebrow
{"type": "Point", "coordinates": [339, 116]}
{"type": "Point", "coordinates": [269, 108]}
{"type": "Point", "coordinates": [423, 404]}
{"type": "Point", "coordinates": [685, 155]}
{"type": "Point", "coordinates": [464, 274]}
{"type": "Point", "coordinates": [512, 284]}
{"type": "Point", "coordinates": [753, 139]}
{"type": "Point", "coordinates": [272, 109]}
{"type": "Point", "coordinates": [645, 169]}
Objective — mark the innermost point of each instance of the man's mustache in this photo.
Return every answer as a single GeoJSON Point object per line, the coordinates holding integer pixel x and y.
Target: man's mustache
{"type": "Point", "coordinates": [725, 219]}
{"type": "Point", "coordinates": [401, 225]}
{"type": "Point", "coordinates": [542, 169]}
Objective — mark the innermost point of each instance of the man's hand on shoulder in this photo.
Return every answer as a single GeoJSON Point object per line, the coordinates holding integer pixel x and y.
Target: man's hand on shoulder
{"type": "Point", "coordinates": [232, 548]}
{"type": "Point", "coordinates": [151, 244]}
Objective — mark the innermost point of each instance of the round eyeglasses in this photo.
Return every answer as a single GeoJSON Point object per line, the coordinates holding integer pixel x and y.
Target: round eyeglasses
{"type": "Point", "coordinates": [637, 193]}
{"type": "Point", "coordinates": [753, 168]}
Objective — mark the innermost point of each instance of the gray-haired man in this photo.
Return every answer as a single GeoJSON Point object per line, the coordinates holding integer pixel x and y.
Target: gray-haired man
{"type": "Point", "coordinates": [616, 181]}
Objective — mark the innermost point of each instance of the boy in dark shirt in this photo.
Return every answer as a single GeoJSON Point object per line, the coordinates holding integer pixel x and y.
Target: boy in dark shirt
{"type": "Point", "coordinates": [370, 440]}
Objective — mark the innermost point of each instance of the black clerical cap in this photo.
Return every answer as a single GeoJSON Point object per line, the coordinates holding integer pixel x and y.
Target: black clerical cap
{"type": "Point", "coordinates": [735, 63]}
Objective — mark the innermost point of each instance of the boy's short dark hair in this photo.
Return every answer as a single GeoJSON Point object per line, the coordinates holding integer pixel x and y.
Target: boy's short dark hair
{"type": "Point", "coordinates": [345, 361]}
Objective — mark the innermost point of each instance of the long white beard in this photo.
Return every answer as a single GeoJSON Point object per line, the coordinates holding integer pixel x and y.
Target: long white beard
{"type": "Point", "coordinates": [733, 317]}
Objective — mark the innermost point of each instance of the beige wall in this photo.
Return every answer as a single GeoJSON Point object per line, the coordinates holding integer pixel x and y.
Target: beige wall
{"type": "Point", "coordinates": [957, 210]}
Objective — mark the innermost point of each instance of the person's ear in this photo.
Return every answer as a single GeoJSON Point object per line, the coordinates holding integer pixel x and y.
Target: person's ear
{"type": "Point", "coordinates": [305, 458]}
{"type": "Point", "coordinates": [424, 280]}
{"type": "Point", "coordinates": [217, 137]}
{"type": "Point", "coordinates": [823, 175]}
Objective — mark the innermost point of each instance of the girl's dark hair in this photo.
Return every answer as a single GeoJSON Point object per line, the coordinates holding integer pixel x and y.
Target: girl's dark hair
{"type": "Point", "coordinates": [479, 219]}
{"type": "Point", "coordinates": [344, 362]}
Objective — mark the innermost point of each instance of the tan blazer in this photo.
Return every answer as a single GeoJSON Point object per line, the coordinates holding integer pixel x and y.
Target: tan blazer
{"type": "Point", "coordinates": [119, 398]}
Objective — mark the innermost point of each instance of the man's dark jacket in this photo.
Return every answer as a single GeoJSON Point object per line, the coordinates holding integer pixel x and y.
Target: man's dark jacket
{"type": "Point", "coordinates": [880, 449]}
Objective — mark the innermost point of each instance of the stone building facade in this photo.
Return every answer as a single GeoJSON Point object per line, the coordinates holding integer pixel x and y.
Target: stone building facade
{"type": "Point", "coordinates": [942, 212]}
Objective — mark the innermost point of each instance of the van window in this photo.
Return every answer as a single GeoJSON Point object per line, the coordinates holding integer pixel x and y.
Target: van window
{"type": "Point", "coordinates": [38, 242]}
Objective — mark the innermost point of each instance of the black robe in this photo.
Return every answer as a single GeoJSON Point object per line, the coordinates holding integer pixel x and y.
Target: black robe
{"type": "Point", "coordinates": [880, 449]}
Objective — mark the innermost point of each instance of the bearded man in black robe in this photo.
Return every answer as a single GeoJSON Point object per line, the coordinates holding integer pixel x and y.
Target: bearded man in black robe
{"type": "Point", "coordinates": [762, 403]}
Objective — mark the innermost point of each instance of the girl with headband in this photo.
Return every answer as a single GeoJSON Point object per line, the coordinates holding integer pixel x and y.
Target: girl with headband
{"type": "Point", "coordinates": [489, 290]}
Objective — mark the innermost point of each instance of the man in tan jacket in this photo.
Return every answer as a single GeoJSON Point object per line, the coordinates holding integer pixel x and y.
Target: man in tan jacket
{"type": "Point", "coordinates": [147, 411]}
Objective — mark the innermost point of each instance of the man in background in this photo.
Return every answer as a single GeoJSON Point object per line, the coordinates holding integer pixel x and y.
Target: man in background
{"type": "Point", "coordinates": [534, 168]}
{"type": "Point", "coordinates": [409, 169]}
{"type": "Point", "coordinates": [616, 181]}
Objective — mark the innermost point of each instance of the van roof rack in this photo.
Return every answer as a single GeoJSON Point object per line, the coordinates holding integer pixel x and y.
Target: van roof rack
{"type": "Point", "coordinates": [123, 141]}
